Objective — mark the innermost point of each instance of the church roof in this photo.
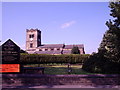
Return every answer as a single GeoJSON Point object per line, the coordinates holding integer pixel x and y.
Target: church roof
{"type": "Point", "coordinates": [51, 46]}
{"type": "Point", "coordinates": [48, 52]}
{"type": "Point", "coordinates": [61, 46]}
{"type": "Point", "coordinates": [71, 46]}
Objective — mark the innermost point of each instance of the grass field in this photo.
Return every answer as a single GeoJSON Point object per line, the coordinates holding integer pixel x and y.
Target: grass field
{"type": "Point", "coordinates": [59, 69]}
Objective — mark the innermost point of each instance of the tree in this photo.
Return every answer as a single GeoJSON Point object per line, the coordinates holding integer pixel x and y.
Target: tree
{"type": "Point", "coordinates": [75, 50]}
{"type": "Point", "coordinates": [107, 60]}
{"type": "Point", "coordinates": [110, 45]}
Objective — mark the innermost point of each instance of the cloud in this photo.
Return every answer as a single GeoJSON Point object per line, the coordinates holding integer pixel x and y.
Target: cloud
{"type": "Point", "coordinates": [67, 24]}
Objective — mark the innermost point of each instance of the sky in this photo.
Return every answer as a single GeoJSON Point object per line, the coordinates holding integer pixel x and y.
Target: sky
{"type": "Point", "coordinates": [59, 22]}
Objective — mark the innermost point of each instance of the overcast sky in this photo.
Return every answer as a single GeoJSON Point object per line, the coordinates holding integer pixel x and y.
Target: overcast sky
{"type": "Point", "coordinates": [60, 22]}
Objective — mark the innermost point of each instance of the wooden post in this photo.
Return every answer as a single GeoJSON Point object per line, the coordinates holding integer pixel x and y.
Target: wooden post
{"type": "Point", "coordinates": [69, 68]}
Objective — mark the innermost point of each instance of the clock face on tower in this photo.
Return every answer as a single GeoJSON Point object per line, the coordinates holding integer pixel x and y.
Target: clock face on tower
{"type": "Point", "coordinates": [31, 39]}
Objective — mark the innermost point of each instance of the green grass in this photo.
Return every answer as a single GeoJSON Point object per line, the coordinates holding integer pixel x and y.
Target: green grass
{"type": "Point", "coordinates": [54, 69]}
{"type": "Point", "coordinates": [63, 70]}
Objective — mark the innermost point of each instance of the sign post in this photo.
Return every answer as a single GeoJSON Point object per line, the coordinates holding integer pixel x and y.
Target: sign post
{"type": "Point", "coordinates": [10, 58]}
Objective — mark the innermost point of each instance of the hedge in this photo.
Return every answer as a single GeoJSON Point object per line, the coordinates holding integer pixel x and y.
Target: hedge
{"type": "Point", "coordinates": [97, 63]}
{"type": "Point", "coordinates": [44, 58]}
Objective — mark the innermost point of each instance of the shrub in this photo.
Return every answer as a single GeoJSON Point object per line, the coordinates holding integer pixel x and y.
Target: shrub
{"type": "Point", "coordinates": [41, 58]}
{"type": "Point", "coordinates": [97, 63]}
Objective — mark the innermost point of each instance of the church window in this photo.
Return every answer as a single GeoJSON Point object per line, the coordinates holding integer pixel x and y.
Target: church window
{"type": "Point", "coordinates": [40, 50]}
{"type": "Point", "coordinates": [52, 49]}
{"type": "Point", "coordinates": [31, 45]}
{"type": "Point", "coordinates": [58, 49]}
{"type": "Point", "coordinates": [31, 36]}
{"type": "Point", "coordinates": [46, 49]}
{"type": "Point", "coordinates": [39, 36]}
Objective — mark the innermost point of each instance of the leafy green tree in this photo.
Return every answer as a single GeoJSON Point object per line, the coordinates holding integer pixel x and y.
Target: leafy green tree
{"type": "Point", "coordinates": [107, 60]}
{"type": "Point", "coordinates": [110, 45]}
{"type": "Point", "coordinates": [75, 50]}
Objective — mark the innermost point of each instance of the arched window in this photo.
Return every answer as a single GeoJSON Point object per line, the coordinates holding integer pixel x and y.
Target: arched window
{"type": "Point", "coordinates": [40, 49]}
{"type": "Point", "coordinates": [52, 49]}
{"type": "Point", "coordinates": [58, 49]}
{"type": "Point", "coordinates": [46, 49]}
{"type": "Point", "coordinates": [31, 45]}
{"type": "Point", "coordinates": [31, 36]}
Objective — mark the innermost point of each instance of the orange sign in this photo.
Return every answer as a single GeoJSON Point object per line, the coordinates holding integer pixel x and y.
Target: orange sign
{"type": "Point", "coordinates": [9, 68]}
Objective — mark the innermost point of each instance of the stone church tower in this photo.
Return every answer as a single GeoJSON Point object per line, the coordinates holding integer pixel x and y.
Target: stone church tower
{"type": "Point", "coordinates": [33, 39]}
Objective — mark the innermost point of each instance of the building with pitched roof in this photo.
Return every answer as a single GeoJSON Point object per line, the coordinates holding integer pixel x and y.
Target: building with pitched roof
{"type": "Point", "coordinates": [33, 45]}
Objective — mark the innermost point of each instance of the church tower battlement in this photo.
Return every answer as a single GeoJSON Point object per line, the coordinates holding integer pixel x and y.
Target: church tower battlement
{"type": "Point", "coordinates": [33, 38]}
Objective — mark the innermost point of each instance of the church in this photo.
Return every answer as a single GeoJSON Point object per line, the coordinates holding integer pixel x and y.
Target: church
{"type": "Point", "coordinates": [34, 45]}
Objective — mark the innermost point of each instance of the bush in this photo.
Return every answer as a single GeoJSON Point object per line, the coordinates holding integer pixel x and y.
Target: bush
{"type": "Point", "coordinates": [107, 60]}
{"type": "Point", "coordinates": [97, 63]}
{"type": "Point", "coordinates": [41, 58]}
{"type": "Point", "coordinates": [93, 64]}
